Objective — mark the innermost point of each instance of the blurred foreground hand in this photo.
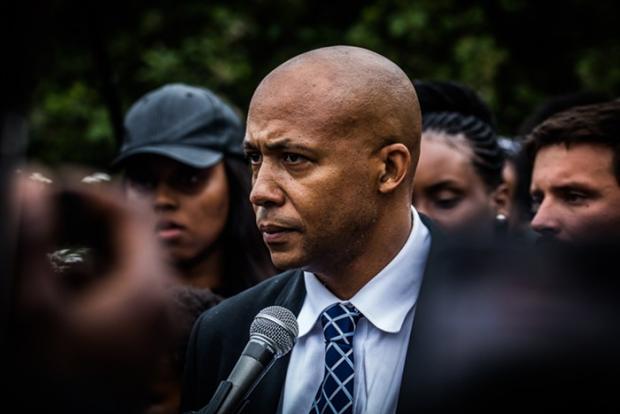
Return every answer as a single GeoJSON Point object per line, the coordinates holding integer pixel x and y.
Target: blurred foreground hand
{"type": "Point", "coordinates": [86, 337]}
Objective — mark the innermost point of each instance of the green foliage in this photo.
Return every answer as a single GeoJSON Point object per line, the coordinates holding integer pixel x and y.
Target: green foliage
{"type": "Point", "coordinates": [598, 69]}
{"type": "Point", "coordinates": [479, 60]}
{"type": "Point", "coordinates": [513, 52]}
{"type": "Point", "coordinates": [71, 126]}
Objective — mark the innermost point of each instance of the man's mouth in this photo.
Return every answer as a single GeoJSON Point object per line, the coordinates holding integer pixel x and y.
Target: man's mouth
{"type": "Point", "coordinates": [274, 234]}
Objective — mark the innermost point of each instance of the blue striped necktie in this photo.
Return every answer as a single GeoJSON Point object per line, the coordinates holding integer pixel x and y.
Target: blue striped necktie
{"type": "Point", "coordinates": [335, 395]}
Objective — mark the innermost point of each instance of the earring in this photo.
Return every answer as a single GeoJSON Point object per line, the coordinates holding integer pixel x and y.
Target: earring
{"type": "Point", "coordinates": [501, 224]}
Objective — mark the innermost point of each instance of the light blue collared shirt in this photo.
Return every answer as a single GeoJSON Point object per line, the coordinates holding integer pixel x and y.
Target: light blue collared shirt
{"type": "Point", "coordinates": [387, 302]}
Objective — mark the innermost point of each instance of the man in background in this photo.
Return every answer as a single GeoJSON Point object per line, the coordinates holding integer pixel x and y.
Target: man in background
{"type": "Point", "coordinates": [576, 175]}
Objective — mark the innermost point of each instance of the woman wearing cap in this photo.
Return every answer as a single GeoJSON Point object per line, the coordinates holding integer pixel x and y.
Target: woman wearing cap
{"type": "Point", "coordinates": [182, 153]}
{"type": "Point", "coordinates": [458, 180]}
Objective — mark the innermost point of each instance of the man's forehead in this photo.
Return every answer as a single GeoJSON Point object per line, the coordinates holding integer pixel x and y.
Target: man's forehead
{"type": "Point", "coordinates": [578, 165]}
{"type": "Point", "coordinates": [279, 134]}
{"type": "Point", "coordinates": [300, 98]}
{"type": "Point", "coordinates": [269, 119]}
{"type": "Point", "coordinates": [574, 159]}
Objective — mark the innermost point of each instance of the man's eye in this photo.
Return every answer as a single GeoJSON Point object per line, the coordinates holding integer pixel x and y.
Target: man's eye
{"type": "Point", "coordinates": [574, 197]}
{"type": "Point", "coordinates": [253, 157]}
{"type": "Point", "coordinates": [535, 202]}
{"type": "Point", "coordinates": [293, 158]}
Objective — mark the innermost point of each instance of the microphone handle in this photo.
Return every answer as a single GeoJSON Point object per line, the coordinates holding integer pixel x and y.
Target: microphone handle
{"type": "Point", "coordinates": [254, 362]}
{"type": "Point", "coordinates": [216, 401]}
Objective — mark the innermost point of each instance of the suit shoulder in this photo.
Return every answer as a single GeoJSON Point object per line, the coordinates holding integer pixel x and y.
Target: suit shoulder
{"type": "Point", "coordinates": [243, 307]}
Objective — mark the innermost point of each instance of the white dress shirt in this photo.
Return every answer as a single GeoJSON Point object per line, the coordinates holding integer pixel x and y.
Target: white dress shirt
{"type": "Point", "coordinates": [387, 303]}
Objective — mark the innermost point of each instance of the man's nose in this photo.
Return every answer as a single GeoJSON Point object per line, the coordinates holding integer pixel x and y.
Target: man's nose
{"type": "Point", "coordinates": [545, 220]}
{"type": "Point", "coordinates": [266, 190]}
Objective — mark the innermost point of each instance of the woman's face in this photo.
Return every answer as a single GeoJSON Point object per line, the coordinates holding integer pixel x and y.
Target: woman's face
{"type": "Point", "coordinates": [191, 205]}
{"type": "Point", "coordinates": [448, 189]}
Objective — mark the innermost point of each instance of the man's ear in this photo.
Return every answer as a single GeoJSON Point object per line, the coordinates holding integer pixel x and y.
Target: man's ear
{"type": "Point", "coordinates": [395, 163]}
{"type": "Point", "coordinates": [501, 200]}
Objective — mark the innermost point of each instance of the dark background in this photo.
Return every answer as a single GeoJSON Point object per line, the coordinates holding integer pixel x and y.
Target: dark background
{"type": "Point", "coordinates": [74, 68]}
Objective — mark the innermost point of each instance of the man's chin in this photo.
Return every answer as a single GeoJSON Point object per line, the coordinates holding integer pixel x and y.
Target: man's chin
{"type": "Point", "coordinates": [286, 260]}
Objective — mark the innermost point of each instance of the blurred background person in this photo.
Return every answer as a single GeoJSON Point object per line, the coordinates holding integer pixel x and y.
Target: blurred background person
{"type": "Point", "coordinates": [511, 148]}
{"type": "Point", "coordinates": [575, 184]}
{"type": "Point", "coordinates": [182, 157]}
{"type": "Point", "coordinates": [188, 302]}
{"type": "Point", "coordinates": [85, 337]}
{"type": "Point", "coordinates": [182, 154]}
{"type": "Point", "coordinates": [532, 330]}
{"type": "Point", "coordinates": [458, 182]}
{"type": "Point", "coordinates": [514, 175]}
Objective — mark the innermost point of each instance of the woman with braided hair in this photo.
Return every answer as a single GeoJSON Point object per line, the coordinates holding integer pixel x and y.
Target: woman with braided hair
{"type": "Point", "coordinates": [458, 181]}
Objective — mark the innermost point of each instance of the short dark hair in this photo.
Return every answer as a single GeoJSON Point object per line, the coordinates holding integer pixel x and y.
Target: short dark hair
{"type": "Point", "coordinates": [560, 103]}
{"type": "Point", "coordinates": [597, 124]}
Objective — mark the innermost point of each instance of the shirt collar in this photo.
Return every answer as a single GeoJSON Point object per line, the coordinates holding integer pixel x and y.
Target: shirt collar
{"type": "Point", "coordinates": [395, 287]}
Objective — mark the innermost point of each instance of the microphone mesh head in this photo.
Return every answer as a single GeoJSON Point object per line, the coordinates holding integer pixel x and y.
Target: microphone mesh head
{"type": "Point", "coordinates": [277, 326]}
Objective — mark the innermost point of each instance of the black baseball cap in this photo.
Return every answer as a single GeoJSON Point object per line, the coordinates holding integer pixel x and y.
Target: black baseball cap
{"type": "Point", "coordinates": [186, 123]}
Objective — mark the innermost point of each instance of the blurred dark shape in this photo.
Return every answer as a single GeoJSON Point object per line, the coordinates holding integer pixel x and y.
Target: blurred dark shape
{"type": "Point", "coordinates": [188, 303]}
{"type": "Point", "coordinates": [514, 329]}
{"type": "Point", "coordinates": [87, 337]}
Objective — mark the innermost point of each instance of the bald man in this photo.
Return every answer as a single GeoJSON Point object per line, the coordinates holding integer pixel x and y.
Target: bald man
{"type": "Point", "coordinates": [333, 140]}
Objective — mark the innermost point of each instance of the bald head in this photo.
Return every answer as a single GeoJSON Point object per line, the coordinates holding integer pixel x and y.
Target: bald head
{"type": "Point", "coordinates": [345, 89]}
{"type": "Point", "coordinates": [333, 138]}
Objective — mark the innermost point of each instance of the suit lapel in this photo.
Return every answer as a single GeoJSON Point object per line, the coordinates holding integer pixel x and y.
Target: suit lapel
{"type": "Point", "coordinates": [267, 396]}
{"type": "Point", "coordinates": [411, 369]}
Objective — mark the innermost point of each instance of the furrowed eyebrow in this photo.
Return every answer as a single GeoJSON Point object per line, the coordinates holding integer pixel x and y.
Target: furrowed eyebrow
{"type": "Point", "coordinates": [565, 188]}
{"type": "Point", "coordinates": [536, 193]}
{"type": "Point", "coordinates": [286, 144]}
{"type": "Point", "coordinates": [248, 146]}
{"type": "Point", "coordinates": [282, 144]}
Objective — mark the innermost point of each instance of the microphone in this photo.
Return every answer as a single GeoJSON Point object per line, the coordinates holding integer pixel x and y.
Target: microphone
{"type": "Point", "coordinates": [272, 335]}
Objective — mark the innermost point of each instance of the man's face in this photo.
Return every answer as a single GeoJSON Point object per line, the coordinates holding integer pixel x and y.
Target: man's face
{"type": "Point", "coordinates": [313, 190]}
{"type": "Point", "coordinates": [575, 194]}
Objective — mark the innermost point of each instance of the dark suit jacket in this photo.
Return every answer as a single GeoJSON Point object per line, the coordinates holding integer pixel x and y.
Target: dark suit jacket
{"type": "Point", "coordinates": [220, 334]}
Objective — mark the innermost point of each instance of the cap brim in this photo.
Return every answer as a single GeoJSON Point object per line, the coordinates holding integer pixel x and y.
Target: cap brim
{"type": "Point", "coordinates": [192, 156]}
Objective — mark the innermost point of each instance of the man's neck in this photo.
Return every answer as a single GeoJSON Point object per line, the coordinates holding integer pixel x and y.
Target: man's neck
{"type": "Point", "coordinates": [346, 279]}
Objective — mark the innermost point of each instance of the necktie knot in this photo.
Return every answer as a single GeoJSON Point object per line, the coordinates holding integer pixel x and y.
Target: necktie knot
{"type": "Point", "coordinates": [339, 322]}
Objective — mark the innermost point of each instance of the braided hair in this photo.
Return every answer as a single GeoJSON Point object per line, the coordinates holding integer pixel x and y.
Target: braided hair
{"type": "Point", "coordinates": [455, 109]}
